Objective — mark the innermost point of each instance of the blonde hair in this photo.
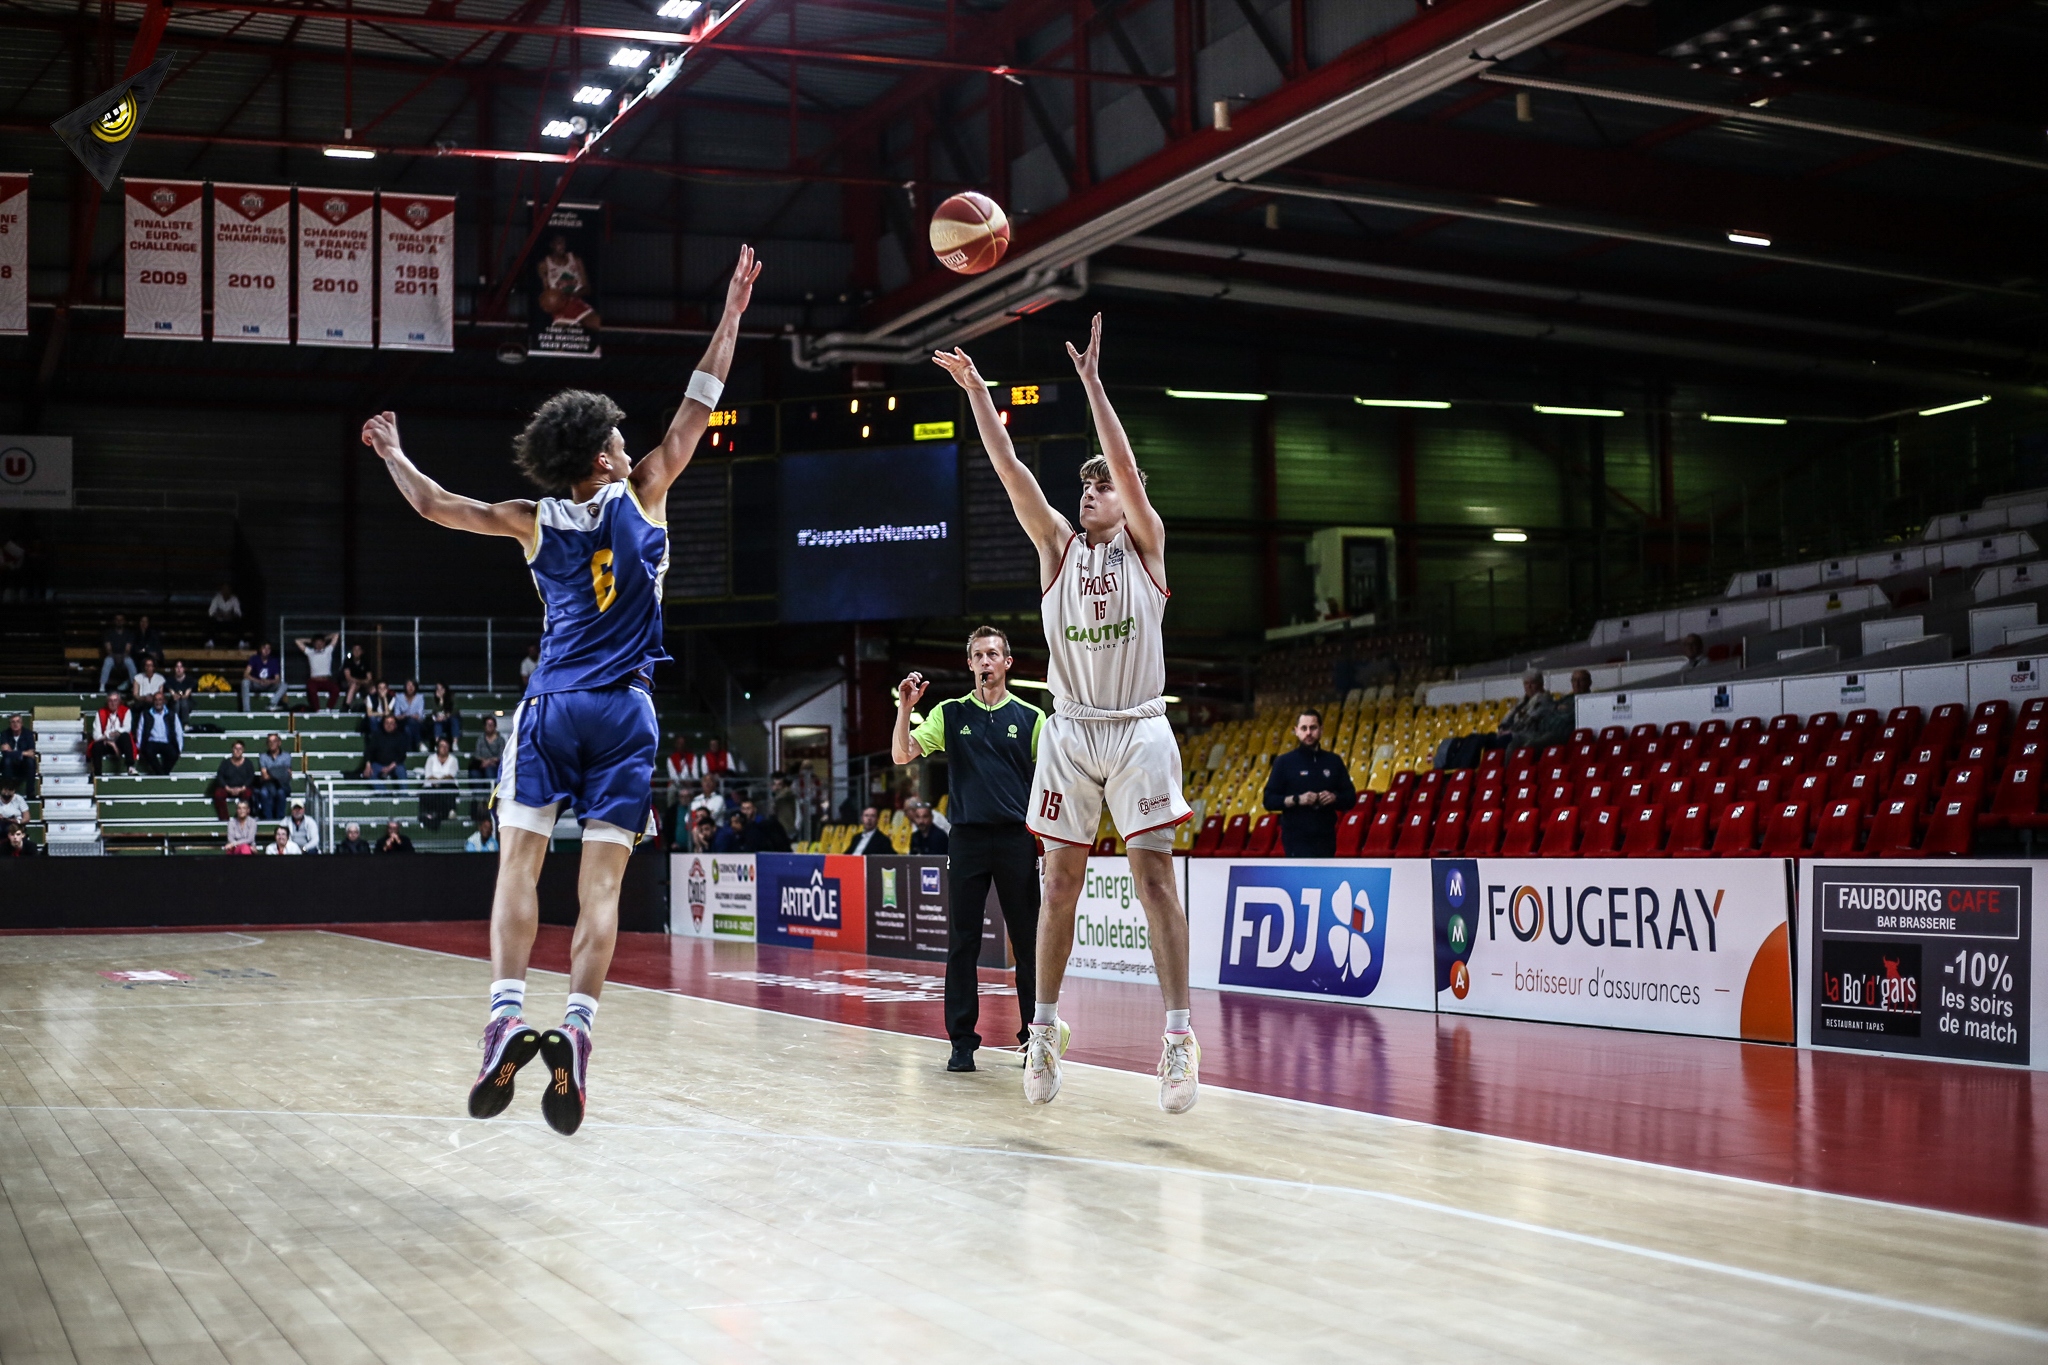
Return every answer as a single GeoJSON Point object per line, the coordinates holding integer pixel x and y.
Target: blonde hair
{"type": "Point", "coordinates": [1097, 468]}
{"type": "Point", "coordinates": [986, 633]}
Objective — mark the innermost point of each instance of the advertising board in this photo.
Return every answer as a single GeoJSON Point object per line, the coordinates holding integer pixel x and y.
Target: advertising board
{"type": "Point", "coordinates": [1319, 929]}
{"type": "Point", "coordinates": [1112, 941]}
{"type": "Point", "coordinates": [812, 900]}
{"type": "Point", "coordinates": [907, 915]}
{"type": "Point", "coordinates": [712, 895]}
{"type": "Point", "coordinates": [1697, 946]}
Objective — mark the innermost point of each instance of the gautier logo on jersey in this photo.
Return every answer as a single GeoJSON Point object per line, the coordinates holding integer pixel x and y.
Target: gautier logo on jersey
{"type": "Point", "coordinates": [1321, 929]}
{"type": "Point", "coordinates": [1091, 635]}
{"type": "Point", "coordinates": [808, 906]}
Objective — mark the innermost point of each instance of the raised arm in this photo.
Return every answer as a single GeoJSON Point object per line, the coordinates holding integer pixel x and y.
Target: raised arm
{"type": "Point", "coordinates": [437, 504]}
{"type": "Point", "coordinates": [663, 465]}
{"type": "Point", "coordinates": [1048, 530]}
{"type": "Point", "coordinates": [1148, 532]}
{"type": "Point", "coordinates": [903, 748]}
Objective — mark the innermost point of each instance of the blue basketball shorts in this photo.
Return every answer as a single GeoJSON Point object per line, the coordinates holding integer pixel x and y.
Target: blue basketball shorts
{"type": "Point", "coordinates": [591, 751]}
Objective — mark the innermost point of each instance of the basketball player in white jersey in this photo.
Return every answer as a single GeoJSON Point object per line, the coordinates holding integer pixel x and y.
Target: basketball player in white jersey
{"type": "Point", "coordinates": [1103, 599]}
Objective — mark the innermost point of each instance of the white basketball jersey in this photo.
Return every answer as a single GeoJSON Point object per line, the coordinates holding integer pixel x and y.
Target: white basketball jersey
{"type": "Point", "coordinates": [1102, 625]}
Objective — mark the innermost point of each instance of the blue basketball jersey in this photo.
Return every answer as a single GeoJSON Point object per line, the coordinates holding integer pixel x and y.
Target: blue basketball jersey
{"type": "Point", "coordinates": [598, 567]}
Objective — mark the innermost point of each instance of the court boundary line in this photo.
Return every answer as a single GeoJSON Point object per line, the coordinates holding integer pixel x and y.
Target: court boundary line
{"type": "Point", "coordinates": [1283, 1099]}
{"type": "Point", "coordinates": [1862, 1298]}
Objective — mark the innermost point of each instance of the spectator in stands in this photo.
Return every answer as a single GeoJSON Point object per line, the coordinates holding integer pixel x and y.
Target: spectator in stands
{"type": "Point", "coordinates": [233, 780]}
{"type": "Point", "coordinates": [1582, 682]}
{"type": "Point", "coordinates": [672, 777]}
{"type": "Point", "coordinates": [264, 672]}
{"type": "Point", "coordinates": [1310, 788]}
{"type": "Point", "coordinates": [782, 797]}
{"type": "Point", "coordinates": [149, 643]}
{"type": "Point", "coordinates": [732, 837]}
{"type": "Point", "coordinates": [355, 672]}
{"type": "Point", "coordinates": [224, 614]}
{"type": "Point", "coordinates": [146, 684]}
{"type": "Point", "coordinates": [761, 832]}
{"type": "Point", "coordinates": [159, 737]}
{"type": "Point", "coordinates": [444, 718]}
{"type": "Point", "coordinates": [709, 800]}
{"type": "Point", "coordinates": [927, 840]}
{"type": "Point", "coordinates": [485, 840]}
{"type": "Point", "coordinates": [117, 649]}
{"type": "Point", "coordinates": [411, 709]}
{"type": "Point", "coordinates": [394, 840]}
{"type": "Point", "coordinates": [1538, 720]}
{"type": "Point", "coordinates": [179, 687]}
{"type": "Point", "coordinates": [17, 845]}
{"type": "Point", "coordinates": [715, 759]}
{"type": "Point", "coordinates": [441, 775]}
{"type": "Point", "coordinates": [13, 806]}
{"type": "Point", "coordinates": [384, 754]}
{"type": "Point", "coordinates": [112, 736]}
{"type": "Point", "coordinates": [319, 652]}
{"type": "Point", "coordinates": [18, 757]}
{"type": "Point", "coordinates": [528, 664]}
{"type": "Point", "coordinates": [305, 834]}
{"type": "Point", "coordinates": [870, 842]}
{"type": "Point", "coordinates": [1694, 649]}
{"type": "Point", "coordinates": [377, 702]}
{"type": "Point", "coordinates": [352, 841]}
{"type": "Point", "coordinates": [242, 829]}
{"type": "Point", "coordinates": [281, 842]}
{"type": "Point", "coordinates": [489, 751]}
{"type": "Point", "coordinates": [273, 778]}
{"type": "Point", "coordinates": [703, 830]}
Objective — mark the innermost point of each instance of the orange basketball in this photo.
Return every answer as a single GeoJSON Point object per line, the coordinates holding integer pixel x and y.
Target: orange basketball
{"type": "Point", "coordinates": [970, 233]}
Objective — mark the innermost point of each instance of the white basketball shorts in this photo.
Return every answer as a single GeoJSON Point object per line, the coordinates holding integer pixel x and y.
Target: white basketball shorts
{"type": "Point", "coordinates": [1133, 765]}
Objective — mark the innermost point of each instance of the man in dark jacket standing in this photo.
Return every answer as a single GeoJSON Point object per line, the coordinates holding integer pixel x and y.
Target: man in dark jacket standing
{"type": "Point", "coordinates": [1310, 788]}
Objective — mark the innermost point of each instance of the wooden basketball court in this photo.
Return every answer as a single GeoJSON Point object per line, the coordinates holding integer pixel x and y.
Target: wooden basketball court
{"type": "Point", "coordinates": [257, 1152]}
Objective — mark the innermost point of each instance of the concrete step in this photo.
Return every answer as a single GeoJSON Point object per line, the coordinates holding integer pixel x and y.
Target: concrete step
{"type": "Point", "coordinates": [54, 764]}
{"type": "Point", "coordinates": [72, 831]}
{"type": "Point", "coordinates": [66, 785]}
{"type": "Point", "coordinates": [70, 811]}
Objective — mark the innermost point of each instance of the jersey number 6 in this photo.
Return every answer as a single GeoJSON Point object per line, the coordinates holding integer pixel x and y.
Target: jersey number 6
{"type": "Point", "coordinates": [601, 581]}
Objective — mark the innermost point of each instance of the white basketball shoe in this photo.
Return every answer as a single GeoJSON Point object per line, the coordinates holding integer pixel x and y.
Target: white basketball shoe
{"type": "Point", "coordinates": [1043, 1049]}
{"type": "Point", "coordinates": [1179, 1073]}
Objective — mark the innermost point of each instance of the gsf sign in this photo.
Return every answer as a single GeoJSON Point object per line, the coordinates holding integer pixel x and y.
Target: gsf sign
{"type": "Point", "coordinates": [1320, 929]}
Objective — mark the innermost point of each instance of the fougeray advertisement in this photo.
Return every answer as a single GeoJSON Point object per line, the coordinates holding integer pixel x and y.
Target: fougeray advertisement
{"type": "Point", "coordinates": [1694, 947]}
{"type": "Point", "coordinates": [1324, 929]}
{"type": "Point", "coordinates": [1933, 961]}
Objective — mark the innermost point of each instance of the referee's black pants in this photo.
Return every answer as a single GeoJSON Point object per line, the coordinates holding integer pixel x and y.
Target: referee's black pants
{"type": "Point", "coordinates": [1007, 857]}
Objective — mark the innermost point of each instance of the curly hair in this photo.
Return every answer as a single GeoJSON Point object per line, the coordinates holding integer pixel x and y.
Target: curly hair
{"type": "Point", "coordinates": [562, 442]}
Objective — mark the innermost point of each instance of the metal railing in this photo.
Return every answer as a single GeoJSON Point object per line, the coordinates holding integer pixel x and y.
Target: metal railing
{"type": "Point", "coordinates": [446, 804]}
{"type": "Point", "coordinates": [461, 651]}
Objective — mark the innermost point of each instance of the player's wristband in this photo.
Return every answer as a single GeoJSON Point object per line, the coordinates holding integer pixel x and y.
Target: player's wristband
{"type": "Point", "coordinates": [705, 388]}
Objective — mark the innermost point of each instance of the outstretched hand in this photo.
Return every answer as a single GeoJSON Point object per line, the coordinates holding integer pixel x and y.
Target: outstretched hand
{"type": "Point", "coordinates": [380, 434]}
{"type": "Point", "coordinates": [957, 364]}
{"type": "Point", "coordinates": [911, 690]}
{"type": "Point", "coordinates": [740, 290]}
{"type": "Point", "coordinates": [1088, 363]}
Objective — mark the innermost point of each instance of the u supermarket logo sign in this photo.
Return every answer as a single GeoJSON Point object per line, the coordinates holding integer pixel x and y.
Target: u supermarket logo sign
{"type": "Point", "coordinates": [808, 906]}
{"type": "Point", "coordinates": [1320, 929]}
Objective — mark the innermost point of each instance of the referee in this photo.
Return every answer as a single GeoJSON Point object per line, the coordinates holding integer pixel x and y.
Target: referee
{"type": "Point", "coordinates": [991, 742]}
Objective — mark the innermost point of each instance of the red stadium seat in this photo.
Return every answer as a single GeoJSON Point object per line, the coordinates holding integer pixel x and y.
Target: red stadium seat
{"type": "Point", "coordinates": [1522, 795]}
{"type": "Point", "coordinates": [1712, 729]}
{"type": "Point", "coordinates": [1746, 732]}
{"type": "Point", "coordinates": [1784, 725]}
{"type": "Point", "coordinates": [1862, 785]}
{"type": "Point", "coordinates": [1914, 784]}
{"type": "Point", "coordinates": [1487, 793]}
{"type": "Point", "coordinates": [1950, 831]}
{"type": "Point", "coordinates": [1987, 734]}
{"type": "Point", "coordinates": [1519, 839]}
{"type": "Point", "coordinates": [1823, 722]}
{"type": "Point", "coordinates": [1447, 840]}
{"type": "Point", "coordinates": [1788, 764]}
{"type": "Point", "coordinates": [1483, 831]}
{"type": "Point", "coordinates": [1645, 835]}
{"type": "Point", "coordinates": [1685, 749]}
{"type": "Point", "coordinates": [1895, 833]}
{"type": "Point", "coordinates": [1612, 734]}
{"type": "Point", "coordinates": [1805, 747]}
{"type": "Point", "coordinates": [1649, 753]}
{"type": "Point", "coordinates": [1582, 735]}
{"type": "Point", "coordinates": [1599, 832]}
{"type": "Point", "coordinates": [1677, 730]}
{"type": "Point", "coordinates": [1415, 830]}
{"type": "Point", "coordinates": [1997, 709]}
{"type": "Point", "coordinates": [1265, 836]}
{"type": "Point", "coordinates": [1552, 754]}
{"type": "Point", "coordinates": [1812, 788]}
{"type": "Point", "coordinates": [1690, 832]}
{"type": "Point", "coordinates": [1735, 832]}
{"type": "Point", "coordinates": [2035, 706]}
{"type": "Point", "coordinates": [1561, 833]}
{"type": "Point", "coordinates": [2017, 803]}
{"type": "Point", "coordinates": [1863, 718]}
{"type": "Point", "coordinates": [1585, 751]}
{"type": "Point", "coordinates": [1882, 759]}
{"type": "Point", "coordinates": [1840, 831]}
{"type": "Point", "coordinates": [1785, 836]}
{"type": "Point", "coordinates": [1402, 785]}
{"type": "Point", "coordinates": [1720, 794]}
{"type": "Point", "coordinates": [1555, 794]}
{"type": "Point", "coordinates": [1105, 847]}
{"type": "Point", "coordinates": [1944, 728]}
{"type": "Point", "coordinates": [1674, 793]}
{"type": "Point", "coordinates": [1235, 831]}
{"type": "Point", "coordinates": [1351, 827]}
{"type": "Point", "coordinates": [1212, 834]}
{"type": "Point", "coordinates": [1638, 737]}
{"type": "Point", "coordinates": [1766, 789]}
{"type": "Point", "coordinates": [1385, 830]}
{"type": "Point", "coordinates": [1968, 783]}
{"type": "Point", "coordinates": [1492, 761]}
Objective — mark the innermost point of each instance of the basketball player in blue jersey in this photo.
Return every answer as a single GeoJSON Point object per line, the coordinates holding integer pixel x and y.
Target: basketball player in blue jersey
{"type": "Point", "coordinates": [585, 735]}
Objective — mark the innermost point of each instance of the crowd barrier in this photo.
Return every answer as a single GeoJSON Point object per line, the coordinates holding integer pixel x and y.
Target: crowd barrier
{"type": "Point", "coordinates": [1935, 960]}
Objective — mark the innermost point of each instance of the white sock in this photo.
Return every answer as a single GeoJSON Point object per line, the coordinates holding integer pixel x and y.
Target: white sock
{"type": "Point", "coordinates": [1177, 1021]}
{"type": "Point", "coordinates": [1045, 1012]}
{"type": "Point", "coordinates": [582, 1011]}
{"type": "Point", "coordinates": [508, 997]}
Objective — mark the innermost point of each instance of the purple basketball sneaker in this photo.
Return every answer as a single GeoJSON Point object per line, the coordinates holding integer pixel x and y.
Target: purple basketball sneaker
{"type": "Point", "coordinates": [509, 1043]}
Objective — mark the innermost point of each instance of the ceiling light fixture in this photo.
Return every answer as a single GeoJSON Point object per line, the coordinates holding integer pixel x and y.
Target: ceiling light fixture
{"type": "Point", "coordinates": [1744, 421]}
{"type": "Point", "coordinates": [634, 57]}
{"type": "Point", "coordinates": [556, 128]}
{"type": "Point", "coordinates": [679, 9]}
{"type": "Point", "coordinates": [1217, 395]}
{"type": "Point", "coordinates": [1399, 403]}
{"type": "Point", "coordinates": [1510, 537]}
{"type": "Point", "coordinates": [1551, 410]}
{"type": "Point", "coordinates": [1956, 407]}
{"type": "Point", "coordinates": [592, 94]}
{"type": "Point", "coordinates": [350, 153]}
{"type": "Point", "coordinates": [1749, 239]}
